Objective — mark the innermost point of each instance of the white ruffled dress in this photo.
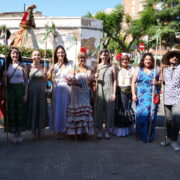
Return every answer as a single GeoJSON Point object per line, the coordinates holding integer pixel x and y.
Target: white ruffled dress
{"type": "Point", "coordinates": [80, 114]}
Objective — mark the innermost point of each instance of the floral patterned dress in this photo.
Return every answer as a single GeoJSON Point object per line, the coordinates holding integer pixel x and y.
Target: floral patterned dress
{"type": "Point", "coordinates": [143, 105]}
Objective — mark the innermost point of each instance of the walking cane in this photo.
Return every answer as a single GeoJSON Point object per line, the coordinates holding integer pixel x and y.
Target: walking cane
{"type": "Point", "coordinates": [152, 99]}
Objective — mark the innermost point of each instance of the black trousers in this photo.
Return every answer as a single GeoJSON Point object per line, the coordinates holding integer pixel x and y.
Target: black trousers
{"type": "Point", "coordinates": [172, 113]}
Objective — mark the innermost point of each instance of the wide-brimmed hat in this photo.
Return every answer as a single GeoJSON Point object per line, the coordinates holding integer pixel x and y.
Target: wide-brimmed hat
{"type": "Point", "coordinates": [173, 52]}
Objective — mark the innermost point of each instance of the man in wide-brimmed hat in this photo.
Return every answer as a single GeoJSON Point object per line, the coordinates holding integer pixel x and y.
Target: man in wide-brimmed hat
{"type": "Point", "coordinates": [171, 78]}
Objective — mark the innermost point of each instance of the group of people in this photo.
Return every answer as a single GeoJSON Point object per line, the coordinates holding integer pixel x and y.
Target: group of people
{"type": "Point", "coordinates": [87, 102]}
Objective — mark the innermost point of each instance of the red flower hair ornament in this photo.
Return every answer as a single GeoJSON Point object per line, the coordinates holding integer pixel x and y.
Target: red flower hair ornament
{"type": "Point", "coordinates": [83, 50]}
{"type": "Point", "coordinates": [118, 56]}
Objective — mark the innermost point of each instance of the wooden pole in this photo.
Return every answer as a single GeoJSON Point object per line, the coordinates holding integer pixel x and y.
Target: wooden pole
{"type": "Point", "coordinates": [75, 62]}
{"type": "Point", "coordinates": [6, 106]}
{"type": "Point", "coordinates": [96, 87]}
{"type": "Point", "coordinates": [52, 103]}
{"type": "Point", "coordinates": [162, 98]}
{"type": "Point", "coordinates": [96, 93]}
{"type": "Point", "coordinates": [24, 8]}
{"type": "Point", "coordinates": [152, 99]}
{"type": "Point", "coordinates": [162, 104]}
{"type": "Point", "coordinates": [45, 51]}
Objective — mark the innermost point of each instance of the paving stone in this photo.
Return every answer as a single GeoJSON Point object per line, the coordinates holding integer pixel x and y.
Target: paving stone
{"type": "Point", "coordinates": [118, 158]}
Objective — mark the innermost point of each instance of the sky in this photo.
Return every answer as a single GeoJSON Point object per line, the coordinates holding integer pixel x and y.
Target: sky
{"type": "Point", "coordinates": [59, 7]}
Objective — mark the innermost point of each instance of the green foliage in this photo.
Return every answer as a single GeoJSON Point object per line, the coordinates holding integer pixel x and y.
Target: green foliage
{"type": "Point", "coordinates": [25, 52]}
{"type": "Point", "coordinates": [88, 15]}
{"type": "Point", "coordinates": [112, 28]}
{"type": "Point", "coordinates": [150, 22]}
{"type": "Point", "coordinates": [112, 21]}
{"type": "Point", "coordinates": [4, 50]}
{"type": "Point", "coordinates": [115, 35]}
{"type": "Point", "coordinates": [114, 46]}
{"type": "Point", "coordinates": [3, 27]}
{"type": "Point", "coordinates": [166, 19]}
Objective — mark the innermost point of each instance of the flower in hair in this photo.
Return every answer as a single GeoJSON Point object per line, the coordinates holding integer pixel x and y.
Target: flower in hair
{"type": "Point", "coordinates": [83, 49]}
{"type": "Point", "coordinates": [118, 56]}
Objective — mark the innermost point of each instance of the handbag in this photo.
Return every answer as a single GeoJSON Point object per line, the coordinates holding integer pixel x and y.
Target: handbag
{"type": "Point", "coordinates": [156, 98]}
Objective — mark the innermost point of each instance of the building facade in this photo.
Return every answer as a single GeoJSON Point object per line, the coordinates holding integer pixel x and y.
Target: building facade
{"type": "Point", "coordinates": [133, 7]}
{"type": "Point", "coordinates": [71, 32]}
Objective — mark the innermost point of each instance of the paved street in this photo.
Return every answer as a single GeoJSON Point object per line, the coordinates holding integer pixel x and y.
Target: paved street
{"type": "Point", "coordinates": [119, 158]}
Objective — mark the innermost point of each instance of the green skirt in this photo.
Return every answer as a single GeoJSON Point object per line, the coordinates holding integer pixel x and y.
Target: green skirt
{"type": "Point", "coordinates": [16, 112]}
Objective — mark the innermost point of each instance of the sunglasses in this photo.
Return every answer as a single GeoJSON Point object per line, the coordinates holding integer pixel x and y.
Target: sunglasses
{"type": "Point", "coordinates": [174, 55]}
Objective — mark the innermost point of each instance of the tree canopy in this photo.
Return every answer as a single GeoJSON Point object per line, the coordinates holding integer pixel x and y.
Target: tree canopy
{"type": "Point", "coordinates": [165, 16]}
{"type": "Point", "coordinates": [122, 33]}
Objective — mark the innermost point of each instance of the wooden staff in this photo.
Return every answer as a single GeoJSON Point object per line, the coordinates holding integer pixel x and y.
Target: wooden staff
{"type": "Point", "coordinates": [45, 51]}
{"type": "Point", "coordinates": [96, 84]}
{"type": "Point", "coordinates": [44, 68]}
{"type": "Point", "coordinates": [162, 99]}
{"type": "Point", "coordinates": [96, 92]}
{"type": "Point", "coordinates": [152, 99]}
{"type": "Point", "coordinates": [6, 105]}
{"type": "Point", "coordinates": [162, 103]}
{"type": "Point", "coordinates": [74, 75]}
{"type": "Point", "coordinates": [52, 103]}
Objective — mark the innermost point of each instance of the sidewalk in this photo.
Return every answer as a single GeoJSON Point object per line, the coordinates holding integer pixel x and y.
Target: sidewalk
{"type": "Point", "coordinates": [118, 158]}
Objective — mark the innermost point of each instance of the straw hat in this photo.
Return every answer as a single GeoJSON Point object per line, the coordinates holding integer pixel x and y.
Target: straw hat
{"type": "Point", "coordinates": [172, 52]}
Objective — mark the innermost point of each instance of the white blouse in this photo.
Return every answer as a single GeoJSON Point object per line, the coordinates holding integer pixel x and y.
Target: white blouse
{"type": "Point", "coordinates": [125, 76]}
{"type": "Point", "coordinates": [62, 74]}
